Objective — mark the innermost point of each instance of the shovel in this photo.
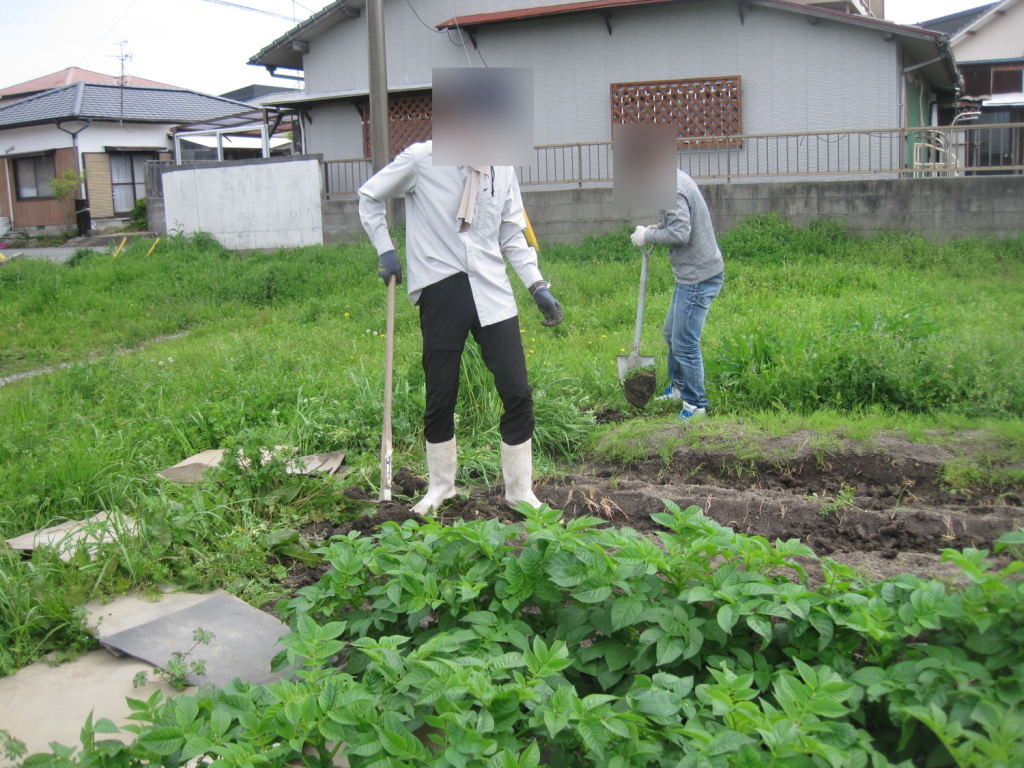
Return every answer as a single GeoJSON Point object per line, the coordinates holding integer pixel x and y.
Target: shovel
{"type": "Point", "coordinates": [634, 360]}
{"type": "Point", "coordinates": [386, 447]}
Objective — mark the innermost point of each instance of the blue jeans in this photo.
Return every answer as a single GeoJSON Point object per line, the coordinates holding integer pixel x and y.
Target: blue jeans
{"type": "Point", "coordinates": [683, 327]}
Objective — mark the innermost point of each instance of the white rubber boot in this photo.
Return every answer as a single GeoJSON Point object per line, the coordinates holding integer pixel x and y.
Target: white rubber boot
{"type": "Point", "coordinates": [441, 465]}
{"type": "Point", "coordinates": [517, 467]}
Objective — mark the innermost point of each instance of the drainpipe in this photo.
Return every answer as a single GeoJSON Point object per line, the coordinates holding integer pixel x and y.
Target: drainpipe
{"type": "Point", "coordinates": [10, 198]}
{"type": "Point", "coordinates": [74, 143]}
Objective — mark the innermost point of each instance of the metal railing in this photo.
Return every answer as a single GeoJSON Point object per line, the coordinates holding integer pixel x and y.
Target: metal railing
{"type": "Point", "coordinates": [154, 168]}
{"type": "Point", "coordinates": [887, 152]}
{"type": "Point", "coordinates": [344, 177]}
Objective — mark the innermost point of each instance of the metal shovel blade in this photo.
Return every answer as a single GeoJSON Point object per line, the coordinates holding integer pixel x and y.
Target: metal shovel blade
{"type": "Point", "coordinates": [629, 363]}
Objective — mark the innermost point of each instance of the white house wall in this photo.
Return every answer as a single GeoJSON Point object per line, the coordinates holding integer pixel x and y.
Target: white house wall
{"type": "Point", "coordinates": [796, 76]}
{"type": "Point", "coordinates": [38, 138]}
{"type": "Point", "coordinates": [1001, 38]}
{"type": "Point", "coordinates": [336, 131]}
{"type": "Point", "coordinates": [41, 138]}
{"type": "Point", "coordinates": [100, 135]}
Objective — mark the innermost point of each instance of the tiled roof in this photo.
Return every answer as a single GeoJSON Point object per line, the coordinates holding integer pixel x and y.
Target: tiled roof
{"type": "Point", "coordinates": [84, 101]}
{"type": "Point", "coordinates": [73, 75]}
{"type": "Point", "coordinates": [950, 25]}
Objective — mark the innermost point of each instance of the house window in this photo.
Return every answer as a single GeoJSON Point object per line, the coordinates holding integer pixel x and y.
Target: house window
{"type": "Point", "coordinates": [410, 122]}
{"type": "Point", "coordinates": [34, 177]}
{"type": "Point", "coordinates": [705, 107]}
{"type": "Point", "coordinates": [128, 178]}
{"type": "Point", "coordinates": [988, 80]}
{"type": "Point", "coordinates": [1007, 79]}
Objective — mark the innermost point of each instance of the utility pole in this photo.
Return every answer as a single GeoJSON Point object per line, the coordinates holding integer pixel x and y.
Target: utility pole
{"type": "Point", "coordinates": [380, 123]}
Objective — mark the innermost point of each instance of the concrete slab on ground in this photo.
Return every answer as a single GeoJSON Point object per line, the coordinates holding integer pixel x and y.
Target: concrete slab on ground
{"type": "Point", "coordinates": [68, 537]}
{"type": "Point", "coordinates": [245, 640]}
{"type": "Point", "coordinates": [191, 470]}
{"type": "Point", "coordinates": [102, 241]}
{"type": "Point", "coordinates": [58, 254]}
{"type": "Point", "coordinates": [41, 704]}
{"type": "Point", "coordinates": [129, 611]}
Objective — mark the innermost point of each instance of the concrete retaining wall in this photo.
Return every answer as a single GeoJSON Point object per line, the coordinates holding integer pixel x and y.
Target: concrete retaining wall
{"type": "Point", "coordinates": [941, 209]}
{"type": "Point", "coordinates": [989, 206]}
{"type": "Point", "coordinates": [156, 221]}
{"type": "Point", "coordinates": [248, 204]}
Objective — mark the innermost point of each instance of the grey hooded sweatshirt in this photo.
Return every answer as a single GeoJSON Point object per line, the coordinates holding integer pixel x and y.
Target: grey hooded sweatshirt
{"type": "Point", "coordinates": [689, 235]}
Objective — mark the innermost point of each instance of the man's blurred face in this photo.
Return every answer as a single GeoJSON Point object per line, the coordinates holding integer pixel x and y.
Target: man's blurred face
{"type": "Point", "coordinates": [483, 116]}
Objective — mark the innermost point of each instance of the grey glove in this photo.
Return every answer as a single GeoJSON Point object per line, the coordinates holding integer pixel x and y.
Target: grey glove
{"type": "Point", "coordinates": [388, 265]}
{"type": "Point", "coordinates": [546, 303]}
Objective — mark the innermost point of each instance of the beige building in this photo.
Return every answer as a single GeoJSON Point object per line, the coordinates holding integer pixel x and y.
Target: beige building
{"type": "Point", "coordinates": [988, 42]}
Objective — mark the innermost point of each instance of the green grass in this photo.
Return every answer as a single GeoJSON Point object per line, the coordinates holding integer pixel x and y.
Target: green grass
{"type": "Point", "coordinates": [812, 330]}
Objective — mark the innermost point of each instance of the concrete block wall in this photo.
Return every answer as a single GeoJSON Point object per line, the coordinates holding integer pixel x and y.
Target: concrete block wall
{"type": "Point", "coordinates": [271, 202]}
{"type": "Point", "coordinates": [566, 215]}
{"type": "Point", "coordinates": [156, 220]}
{"type": "Point", "coordinates": [941, 209]}
{"type": "Point", "coordinates": [341, 219]}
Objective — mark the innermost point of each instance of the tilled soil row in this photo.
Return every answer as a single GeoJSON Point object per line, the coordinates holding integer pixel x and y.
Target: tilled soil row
{"type": "Point", "coordinates": [884, 511]}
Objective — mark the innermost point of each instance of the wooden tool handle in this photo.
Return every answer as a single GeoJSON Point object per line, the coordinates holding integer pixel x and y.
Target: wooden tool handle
{"type": "Point", "coordinates": [386, 446]}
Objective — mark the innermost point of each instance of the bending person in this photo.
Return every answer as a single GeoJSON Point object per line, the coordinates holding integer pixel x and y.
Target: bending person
{"type": "Point", "coordinates": [699, 273]}
{"type": "Point", "coordinates": [461, 224]}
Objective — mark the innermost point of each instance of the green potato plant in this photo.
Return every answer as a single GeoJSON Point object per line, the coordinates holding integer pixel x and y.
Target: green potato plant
{"type": "Point", "coordinates": [486, 645]}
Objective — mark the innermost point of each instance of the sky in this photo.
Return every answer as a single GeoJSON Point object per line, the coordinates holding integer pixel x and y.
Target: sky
{"type": "Point", "coordinates": [195, 43]}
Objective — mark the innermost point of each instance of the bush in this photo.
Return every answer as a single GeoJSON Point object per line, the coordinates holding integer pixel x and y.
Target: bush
{"type": "Point", "coordinates": [80, 256]}
{"type": "Point", "coordinates": [138, 218]}
{"type": "Point", "coordinates": [597, 647]}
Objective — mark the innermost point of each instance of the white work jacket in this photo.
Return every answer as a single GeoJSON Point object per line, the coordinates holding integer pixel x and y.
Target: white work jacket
{"type": "Point", "coordinates": [434, 249]}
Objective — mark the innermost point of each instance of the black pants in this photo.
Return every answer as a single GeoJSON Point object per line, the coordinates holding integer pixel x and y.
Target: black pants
{"type": "Point", "coordinates": [447, 316]}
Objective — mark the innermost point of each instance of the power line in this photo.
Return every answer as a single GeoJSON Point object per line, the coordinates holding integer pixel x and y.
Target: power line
{"type": "Point", "coordinates": [250, 8]}
{"type": "Point", "coordinates": [106, 33]}
{"type": "Point", "coordinates": [462, 37]}
{"type": "Point", "coordinates": [432, 29]}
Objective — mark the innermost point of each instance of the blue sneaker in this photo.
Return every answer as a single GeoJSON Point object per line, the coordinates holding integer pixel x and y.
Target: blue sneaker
{"type": "Point", "coordinates": [691, 412]}
{"type": "Point", "coordinates": [671, 393]}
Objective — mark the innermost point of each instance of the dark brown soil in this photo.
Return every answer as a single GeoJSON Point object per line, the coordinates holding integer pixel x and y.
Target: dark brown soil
{"type": "Point", "coordinates": [639, 388]}
{"type": "Point", "coordinates": [407, 483]}
{"type": "Point", "coordinates": [608, 416]}
{"type": "Point", "coordinates": [897, 518]}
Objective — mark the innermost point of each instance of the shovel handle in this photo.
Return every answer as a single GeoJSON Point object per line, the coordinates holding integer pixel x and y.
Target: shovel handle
{"type": "Point", "coordinates": [386, 445]}
{"type": "Point", "coordinates": [640, 303]}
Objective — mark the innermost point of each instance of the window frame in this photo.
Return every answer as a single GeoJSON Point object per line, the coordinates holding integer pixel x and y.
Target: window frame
{"type": "Point", "coordinates": [130, 153]}
{"type": "Point", "coordinates": [34, 156]}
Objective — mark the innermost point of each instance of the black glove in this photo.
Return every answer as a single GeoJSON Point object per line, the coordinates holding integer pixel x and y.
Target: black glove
{"type": "Point", "coordinates": [388, 265]}
{"type": "Point", "coordinates": [546, 303]}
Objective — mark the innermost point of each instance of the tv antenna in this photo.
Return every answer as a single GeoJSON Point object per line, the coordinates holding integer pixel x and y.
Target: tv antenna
{"type": "Point", "coordinates": [121, 57]}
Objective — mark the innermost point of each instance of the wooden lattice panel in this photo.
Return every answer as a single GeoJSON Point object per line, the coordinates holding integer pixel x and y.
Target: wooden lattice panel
{"type": "Point", "coordinates": [705, 107]}
{"type": "Point", "coordinates": [410, 119]}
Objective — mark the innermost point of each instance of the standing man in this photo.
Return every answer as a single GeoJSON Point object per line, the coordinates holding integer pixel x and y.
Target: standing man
{"type": "Point", "coordinates": [461, 223]}
{"type": "Point", "coordinates": [699, 272]}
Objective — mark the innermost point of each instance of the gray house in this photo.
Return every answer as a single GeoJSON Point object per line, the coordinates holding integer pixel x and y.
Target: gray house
{"type": "Point", "coordinates": [720, 68]}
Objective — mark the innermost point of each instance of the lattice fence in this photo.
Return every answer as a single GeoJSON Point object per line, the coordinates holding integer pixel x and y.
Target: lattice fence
{"type": "Point", "coordinates": [702, 108]}
{"type": "Point", "coordinates": [410, 122]}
